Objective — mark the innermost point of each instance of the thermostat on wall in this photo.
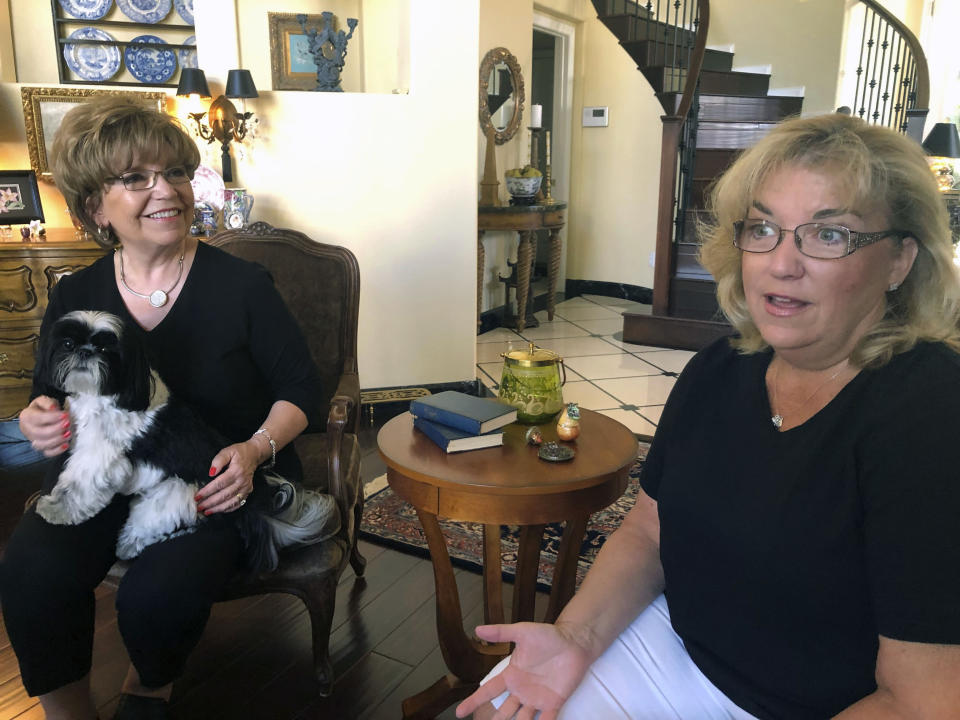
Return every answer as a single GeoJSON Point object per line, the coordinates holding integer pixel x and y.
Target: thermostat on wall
{"type": "Point", "coordinates": [596, 117]}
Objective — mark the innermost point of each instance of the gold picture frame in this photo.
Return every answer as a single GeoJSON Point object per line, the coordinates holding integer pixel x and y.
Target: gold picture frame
{"type": "Point", "coordinates": [290, 68]}
{"type": "Point", "coordinates": [43, 111]}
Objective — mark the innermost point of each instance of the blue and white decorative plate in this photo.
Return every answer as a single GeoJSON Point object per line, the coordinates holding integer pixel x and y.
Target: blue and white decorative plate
{"type": "Point", "coordinates": [188, 56]}
{"type": "Point", "coordinates": [86, 9]}
{"type": "Point", "coordinates": [145, 11]}
{"type": "Point", "coordinates": [92, 62]}
{"type": "Point", "coordinates": [149, 63]}
{"type": "Point", "coordinates": [185, 8]}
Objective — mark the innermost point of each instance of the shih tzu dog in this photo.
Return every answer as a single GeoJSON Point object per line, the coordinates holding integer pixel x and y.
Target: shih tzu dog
{"type": "Point", "coordinates": [131, 437]}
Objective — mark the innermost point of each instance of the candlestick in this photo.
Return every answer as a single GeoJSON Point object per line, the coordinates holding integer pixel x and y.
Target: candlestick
{"type": "Point", "coordinates": [536, 116]}
{"type": "Point", "coordinates": [548, 147]}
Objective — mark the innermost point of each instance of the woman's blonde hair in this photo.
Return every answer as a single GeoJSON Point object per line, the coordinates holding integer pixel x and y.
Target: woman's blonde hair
{"type": "Point", "coordinates": [100, 139]}
{"type": "Point", "coordinates": [872, 166]}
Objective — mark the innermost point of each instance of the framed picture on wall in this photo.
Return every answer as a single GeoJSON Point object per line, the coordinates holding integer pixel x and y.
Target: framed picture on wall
{"type": "Point", "coordinates": [291, 64]}
{"type": "Point", "coordinates": [19, 197]}
{"type": "Point", "coordinates": [43, 111]}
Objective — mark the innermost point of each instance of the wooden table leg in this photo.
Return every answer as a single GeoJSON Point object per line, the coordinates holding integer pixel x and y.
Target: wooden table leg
{"type": "Point", "coordinates": [524, 259]}
{"type": "Point", "coordinates": [553, 271]}
{"type": "Point", "coordinates": [528, 566]}
{"type": "Point", "coordinates": [481, 259]}
{"type": "Point", "coordinates": [492, 576]}
{"type": "Point", "coordinates": [467, 659]}
{"type": "Point", "coordinates": [565, 571]}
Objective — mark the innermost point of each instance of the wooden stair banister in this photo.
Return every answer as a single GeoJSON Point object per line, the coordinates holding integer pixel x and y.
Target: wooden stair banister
{"type": "Point", "coordinates": [900, 76]}
{"type": "Point", "coordinates": [664, 261]}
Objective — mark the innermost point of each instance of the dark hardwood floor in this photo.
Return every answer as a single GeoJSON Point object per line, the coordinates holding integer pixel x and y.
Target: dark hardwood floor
{"type": "Point", "coordinates": [255, 662]}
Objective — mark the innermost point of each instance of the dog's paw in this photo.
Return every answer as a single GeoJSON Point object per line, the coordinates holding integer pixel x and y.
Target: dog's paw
{"type": "Point", "coordinates": [129, 547]}
{"type": "Point", "coordinates": [54, 511]}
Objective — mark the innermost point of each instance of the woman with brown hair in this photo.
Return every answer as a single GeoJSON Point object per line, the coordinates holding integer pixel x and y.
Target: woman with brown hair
{"type": "Point", "coordinates": [220, 337]}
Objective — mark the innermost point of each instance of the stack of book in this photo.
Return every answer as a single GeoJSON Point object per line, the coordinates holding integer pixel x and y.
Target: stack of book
{"type": "Point", "coordinates": [456, 421]}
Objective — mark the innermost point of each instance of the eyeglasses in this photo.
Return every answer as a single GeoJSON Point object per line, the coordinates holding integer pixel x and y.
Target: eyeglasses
{"type": "Point", "coordinates": [146, 179]}
{"type": "Point", "coordinates": [815, 240]}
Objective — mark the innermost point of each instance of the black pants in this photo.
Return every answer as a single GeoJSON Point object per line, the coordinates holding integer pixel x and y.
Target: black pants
{"type": "Point", "coordinates": [47, 580]}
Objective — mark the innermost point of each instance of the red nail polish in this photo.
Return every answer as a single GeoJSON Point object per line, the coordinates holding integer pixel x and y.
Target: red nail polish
{"type": "Point", "coordinates": [64, 446]}
{"type": "Point", "coordinates": [208, 512]}
{"type": "Point", "coordinates": [66, 433]}
{"type": "Point", "coordinates": [65, 424]}
{"type": "Point", "coordinates": [213, 471]}
{"type": "Point", "coordinates": [197, 498]}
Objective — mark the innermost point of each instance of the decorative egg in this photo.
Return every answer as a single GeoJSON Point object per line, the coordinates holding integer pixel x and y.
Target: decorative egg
{"type": "Point", "coordinates": [568, 426]}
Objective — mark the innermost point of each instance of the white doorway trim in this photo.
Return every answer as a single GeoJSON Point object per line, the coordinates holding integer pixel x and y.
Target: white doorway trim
{"type": "Point", "coordinates": [561, 142]}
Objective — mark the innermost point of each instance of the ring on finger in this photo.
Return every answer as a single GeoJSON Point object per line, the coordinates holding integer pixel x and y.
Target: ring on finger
{"type": "Point", "coordinates": [241, 500]}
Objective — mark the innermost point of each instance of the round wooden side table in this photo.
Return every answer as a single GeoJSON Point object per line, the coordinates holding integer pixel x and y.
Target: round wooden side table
{"type": "Point", "coordinates": [499, 486]}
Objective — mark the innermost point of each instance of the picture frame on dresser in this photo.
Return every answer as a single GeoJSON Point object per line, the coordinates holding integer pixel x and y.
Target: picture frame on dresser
{"type": "Point", "coordinates": [44, 108]}
{"type": "Point", "coordinates": [19, 197]}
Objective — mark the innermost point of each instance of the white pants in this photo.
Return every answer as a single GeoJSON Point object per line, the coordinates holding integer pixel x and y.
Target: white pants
{"type": "Point", "coordinates": [645, 674]}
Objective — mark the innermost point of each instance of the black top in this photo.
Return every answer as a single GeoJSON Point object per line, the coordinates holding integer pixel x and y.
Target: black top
{"type": "Point", "coordinates": [228, 347]}
{"type": "Point", "coordinates": [786, 554]}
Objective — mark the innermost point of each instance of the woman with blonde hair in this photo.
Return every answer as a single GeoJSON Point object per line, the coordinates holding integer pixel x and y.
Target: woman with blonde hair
{"type": "Point", "coordinates": [793, 552]}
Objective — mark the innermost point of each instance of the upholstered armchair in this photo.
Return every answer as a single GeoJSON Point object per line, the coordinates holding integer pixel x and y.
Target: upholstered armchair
{"type": "Point", "coordinates": [321, 286]}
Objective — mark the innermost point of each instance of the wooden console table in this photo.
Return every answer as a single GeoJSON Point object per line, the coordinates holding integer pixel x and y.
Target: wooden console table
{"type": "Point", "coordinates": [28, 272]}
{"type": "Point", "coordinates": [524, 220]}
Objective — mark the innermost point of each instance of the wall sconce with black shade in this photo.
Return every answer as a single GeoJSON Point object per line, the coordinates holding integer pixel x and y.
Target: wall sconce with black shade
{"type": "Point", "coordinates": [943, 145]}
{"type": "Point", "coordinates": [224, 123]}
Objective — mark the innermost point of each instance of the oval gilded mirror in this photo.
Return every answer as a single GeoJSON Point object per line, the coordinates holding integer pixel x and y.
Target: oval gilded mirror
{"type": "Point", "coordinates": [501, 94]}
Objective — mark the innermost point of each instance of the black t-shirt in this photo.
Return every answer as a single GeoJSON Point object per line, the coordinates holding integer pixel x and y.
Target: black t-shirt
{"type": "Point", "coordinates": [228, 347]}
{"type": "Point", "coordinates": [786, 554]}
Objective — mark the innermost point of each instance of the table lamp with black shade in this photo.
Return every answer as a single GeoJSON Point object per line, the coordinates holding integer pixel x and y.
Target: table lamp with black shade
{"type": "Point", "coordinates": [943, 145]}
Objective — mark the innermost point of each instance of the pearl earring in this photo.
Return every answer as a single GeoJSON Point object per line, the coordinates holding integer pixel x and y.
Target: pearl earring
{"type": "Point", "coordinates": [893, 286]}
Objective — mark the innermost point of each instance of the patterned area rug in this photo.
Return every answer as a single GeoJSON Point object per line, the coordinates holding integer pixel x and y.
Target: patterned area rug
{"type": "Point", "coordinates": [391, 521]}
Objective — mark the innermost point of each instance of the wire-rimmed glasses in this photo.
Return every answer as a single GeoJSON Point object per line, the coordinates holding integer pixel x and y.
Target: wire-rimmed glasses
{"type": "Point", "coordinates": [823, 241]}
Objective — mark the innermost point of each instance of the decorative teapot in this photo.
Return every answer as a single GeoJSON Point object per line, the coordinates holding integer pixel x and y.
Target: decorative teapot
{"type": "Point", "coordinates": [531, 382]}
{"type": "Point", "coordinates": [236, 208]}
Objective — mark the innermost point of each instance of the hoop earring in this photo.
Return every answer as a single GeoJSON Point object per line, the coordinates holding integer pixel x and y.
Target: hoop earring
{"type": "Point", "coordinates": [103, 233]}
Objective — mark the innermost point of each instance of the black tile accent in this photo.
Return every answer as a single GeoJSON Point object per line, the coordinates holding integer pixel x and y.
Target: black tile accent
{"type": "Point", "coordinates": [628, 407]}
{"type": "Point", "coordinates": [635, 293]}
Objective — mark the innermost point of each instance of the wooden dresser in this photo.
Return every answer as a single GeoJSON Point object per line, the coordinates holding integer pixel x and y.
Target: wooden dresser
{"type": "Point", "coordinates": [28, 272]}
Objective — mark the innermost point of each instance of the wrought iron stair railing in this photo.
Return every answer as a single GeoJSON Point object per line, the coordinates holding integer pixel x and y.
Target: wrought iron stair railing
{"type": "Point", "coordinates": [892, 80]}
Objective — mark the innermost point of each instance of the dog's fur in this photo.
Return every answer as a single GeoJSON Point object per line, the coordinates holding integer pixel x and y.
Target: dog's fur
{"type": "Point", "coordinates": [131, 437]}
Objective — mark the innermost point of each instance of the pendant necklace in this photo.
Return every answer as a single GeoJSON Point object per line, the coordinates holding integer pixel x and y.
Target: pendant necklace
{"type": "Point", "coordinates": [158, 298]}
{"type": "Point", "coordinates": [777, 418]}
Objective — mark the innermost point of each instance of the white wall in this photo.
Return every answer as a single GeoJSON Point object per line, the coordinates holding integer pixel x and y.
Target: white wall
{"type": "Point", "coordinates": [392, 177]}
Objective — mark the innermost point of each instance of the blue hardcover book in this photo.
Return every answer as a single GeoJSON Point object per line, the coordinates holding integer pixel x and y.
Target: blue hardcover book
{"type": "Point", "coordinates": [453, 440]}
{"type": "Point", "coordinates": [474, 415]}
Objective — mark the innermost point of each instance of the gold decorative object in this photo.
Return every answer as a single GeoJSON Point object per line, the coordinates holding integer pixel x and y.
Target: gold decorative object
{"type": "Point", "coordinates": [43, 111]}
{"type": "Point", "coordinates": [499, 64]}
{"type": "Point", "coordinates": [568, 426]}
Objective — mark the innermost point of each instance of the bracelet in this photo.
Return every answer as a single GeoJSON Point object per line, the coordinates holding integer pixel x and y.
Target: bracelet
{"type": "Point", "coordinates": [273, 447]}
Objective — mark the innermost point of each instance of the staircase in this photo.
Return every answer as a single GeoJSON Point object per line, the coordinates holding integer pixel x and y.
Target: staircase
{"type": "Point", "coordinates": [710, 116]}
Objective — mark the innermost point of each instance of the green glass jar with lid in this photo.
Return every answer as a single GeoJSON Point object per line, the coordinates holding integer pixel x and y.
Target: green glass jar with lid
{"type": "Point", "coordinates": [532, 382]}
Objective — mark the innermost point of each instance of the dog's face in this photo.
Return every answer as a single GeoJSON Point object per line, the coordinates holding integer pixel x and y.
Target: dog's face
{"type": "Point", "coordinates": [89, 353]}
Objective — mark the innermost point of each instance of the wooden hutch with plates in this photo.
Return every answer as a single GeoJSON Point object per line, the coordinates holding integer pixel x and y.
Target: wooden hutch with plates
{"type": "Point", "coordinates": [28, 272]}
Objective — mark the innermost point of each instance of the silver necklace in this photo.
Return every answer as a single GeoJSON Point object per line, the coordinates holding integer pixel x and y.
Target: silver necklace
{"type": "Point", "coordinates": [158, 298]}
{"type": "Point", "coordinates": [777, 418]}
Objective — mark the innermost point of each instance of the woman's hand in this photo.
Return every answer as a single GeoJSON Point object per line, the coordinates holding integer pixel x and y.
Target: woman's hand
{"type": "Point", "coordinates": [46, 425]}
{"type": "Point", "coordinates": [229, 489]}
{"type": "Point", "coordinates": [547, 665]}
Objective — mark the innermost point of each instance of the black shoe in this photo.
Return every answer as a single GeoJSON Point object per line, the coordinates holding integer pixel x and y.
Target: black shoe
{"type": "Point", "coordinates": [139, 707]}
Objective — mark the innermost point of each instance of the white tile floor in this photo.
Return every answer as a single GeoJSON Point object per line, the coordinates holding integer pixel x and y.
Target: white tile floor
{"type": "Point", "coordinates": [630, 383]}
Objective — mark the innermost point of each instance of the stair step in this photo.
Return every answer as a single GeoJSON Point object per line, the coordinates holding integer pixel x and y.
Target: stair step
{"type": "Point", "coordinates": [710, 162]}
{"type": "Point", "coordinates": [694, 298]}
{"type": "Point", "coordinates": [628, 27]}
{"type": "Point", "coordinates": [673, 332]}
{"type": "Point", "coordinates": [654, 52]}
{"type": "Point", "coordinates": [738, 108]}
{"type": "Point", "coordinates": [731, 135]}
{"type": "Point", "coordinates": [688, 266]}
{"type": "Point", "coordinates": [620, 7]}
{"type": "Point", "coordinates": [712, 82]}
